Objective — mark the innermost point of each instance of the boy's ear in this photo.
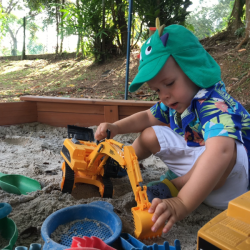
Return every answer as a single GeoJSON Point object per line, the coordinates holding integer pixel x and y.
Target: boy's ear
{"type": "Point", "coordinates": [160, 30]}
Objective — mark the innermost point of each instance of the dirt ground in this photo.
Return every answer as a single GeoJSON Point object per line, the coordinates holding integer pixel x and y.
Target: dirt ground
{"type": "Point", "coordinates": [84, 79]}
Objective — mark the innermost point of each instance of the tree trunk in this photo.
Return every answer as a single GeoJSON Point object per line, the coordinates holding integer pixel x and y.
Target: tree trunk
{"type": "Point", "coordinates": [61, 22]}
{"type": "Point", "coordinates": [78, 45]}
{"type": "Point", "coordinates": [24, 28]}
{"type": "Point", "coordinates": [103, 52]}
{"type": "Point", "coordinates": [57, 29]}
{"type": "Point", "coordinates": [247, 31]}
{"type": "Point", "coordinates": [235, 18]}
{"type": "Point", "coordinates": [122, 25]}
{"type": "Point", "coordinates": [79, 35]}
{"type": "Point", "coordinates": [115, 24]}
{"type": "Point", "coordinates": [14, 49]}
{"type": "Point", "coordinates": [133, 29]}
{"type": "Point", "coordinates": [82, 47]}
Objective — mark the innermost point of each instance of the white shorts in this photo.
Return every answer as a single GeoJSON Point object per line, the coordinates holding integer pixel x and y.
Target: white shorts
{"type": "Point", "coordinates": [180, 159]}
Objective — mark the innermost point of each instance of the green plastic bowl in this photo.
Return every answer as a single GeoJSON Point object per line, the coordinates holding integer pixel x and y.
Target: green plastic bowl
{"type": "Point", "coordinates": [8, 229]}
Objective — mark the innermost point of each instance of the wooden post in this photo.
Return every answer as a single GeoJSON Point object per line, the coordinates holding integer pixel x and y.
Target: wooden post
{"type": "Point", "coordinates": [24, 27]}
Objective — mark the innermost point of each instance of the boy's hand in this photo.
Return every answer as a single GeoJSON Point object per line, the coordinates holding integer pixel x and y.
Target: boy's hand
{"type": "Point", "coordinates": [170, 210]}
{"type": "Point", "coordinates": [101, 131]}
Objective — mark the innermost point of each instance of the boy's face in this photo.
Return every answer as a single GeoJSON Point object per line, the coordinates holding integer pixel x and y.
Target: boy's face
{"type": "Point", "coordinates": [174, 88]}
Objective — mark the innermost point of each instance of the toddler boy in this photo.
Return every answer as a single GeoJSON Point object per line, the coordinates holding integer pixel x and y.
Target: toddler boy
{"type": "Point", "coordinates": [206, 141]}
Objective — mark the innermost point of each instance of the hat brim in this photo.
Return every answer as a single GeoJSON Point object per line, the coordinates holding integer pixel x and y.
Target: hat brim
{"type": "Point", "coordinates": [148, 72]}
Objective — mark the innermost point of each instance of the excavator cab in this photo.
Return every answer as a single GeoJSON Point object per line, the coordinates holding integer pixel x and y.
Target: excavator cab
{"type": "Point", "coordinates": [81, 139]}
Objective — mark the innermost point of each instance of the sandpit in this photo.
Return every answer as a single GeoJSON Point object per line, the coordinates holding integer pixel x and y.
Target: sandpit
{"type": "Point", "coordinates": [33, 150]}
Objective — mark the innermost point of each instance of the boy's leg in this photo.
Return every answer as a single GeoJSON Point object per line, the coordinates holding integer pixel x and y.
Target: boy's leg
{"type": "Point", "coordinates": [146, 144]}
{"type": "Point", "coordinates": [175, 153]}
{"type": "Point", "coordinates": [235, 184]}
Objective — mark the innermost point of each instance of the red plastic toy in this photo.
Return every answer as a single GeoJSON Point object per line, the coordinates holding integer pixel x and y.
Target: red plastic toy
{"type": "Point", "coordinates": [89, 243]}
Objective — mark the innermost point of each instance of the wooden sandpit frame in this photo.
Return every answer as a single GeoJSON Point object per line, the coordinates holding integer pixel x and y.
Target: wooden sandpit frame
{"type": "Point", "coordinates": [60, 112]}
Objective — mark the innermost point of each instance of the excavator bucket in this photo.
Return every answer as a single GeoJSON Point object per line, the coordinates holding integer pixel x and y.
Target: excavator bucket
{"type": "Point", "coordinates": [143, 223]}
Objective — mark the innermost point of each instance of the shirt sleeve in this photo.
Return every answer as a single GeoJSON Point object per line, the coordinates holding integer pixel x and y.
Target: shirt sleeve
{"type": "Point", "coordinates": [219, 119]}
{"type": "Point", "coordinates": [160, 112]}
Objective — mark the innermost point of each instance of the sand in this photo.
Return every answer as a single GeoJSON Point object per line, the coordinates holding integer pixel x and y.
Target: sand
{"type": "Point", "coordinates": [33, 150]}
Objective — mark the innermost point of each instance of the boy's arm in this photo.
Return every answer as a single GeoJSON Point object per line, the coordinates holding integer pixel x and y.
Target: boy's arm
{"type": "Point", "coordinates": [131, 124]}
{"type": "Point", "coordinates": [137, 122]}
{"type": "Point", "coordinates": [215, 161]}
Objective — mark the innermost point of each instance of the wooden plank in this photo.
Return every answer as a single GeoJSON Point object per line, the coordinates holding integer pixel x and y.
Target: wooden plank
{"type": "Point", "coordinates": [69, 107]}
{"type": "Point", "coordinates": [63, 111]}
{"type": "Point", "coordinates": [129, 110]}
{"type": "Point", "coordinates": [17, 119]}
{"type": "Point", "coordinates": [17, 106]}
{"type": "Point", "coordinates": [17, 113]}
{"type": "Point", "coordinates": [64, 119]}
{"type": "Point", "coordinates": [105, 102]}
{"type": "Point", "coordinates": [111, 114]}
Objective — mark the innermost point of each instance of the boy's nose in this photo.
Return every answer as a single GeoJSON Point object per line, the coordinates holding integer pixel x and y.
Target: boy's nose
{"type": "Point", "coordinates": [164, 96]}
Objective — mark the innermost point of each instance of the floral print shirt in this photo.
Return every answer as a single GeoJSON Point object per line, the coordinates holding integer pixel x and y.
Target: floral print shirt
{"type": "Point", "coordinates": [213, 112]}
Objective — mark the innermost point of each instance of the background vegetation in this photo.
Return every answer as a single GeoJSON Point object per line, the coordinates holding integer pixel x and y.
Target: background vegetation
{"type": "Point", "coordinates": [101, 25]}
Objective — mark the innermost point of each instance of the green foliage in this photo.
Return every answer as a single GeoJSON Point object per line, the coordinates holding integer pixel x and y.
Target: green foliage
{"type": "Point", "coordinates": [240, 32]}
{"type": "Point", "coordinates": [208, 20]}
{"type": "Point", "coordinates": [168, 11]}
{"type": "Point", "coordinates": [103, 33]}
{"type": "Point", "coordinates": [33, 28]}
{"type": "Point", "coordinates": [37, 5]}
{"type": "Point", "coordinates": [3, 22]}
{"type": "Point", "coordinates": [35, 48]}
{"type": "Point", "coordinates": [5, 51]}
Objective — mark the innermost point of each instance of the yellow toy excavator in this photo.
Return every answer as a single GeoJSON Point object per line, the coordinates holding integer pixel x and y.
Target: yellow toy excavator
{"type": "Point", "coordinates": [94, 163]}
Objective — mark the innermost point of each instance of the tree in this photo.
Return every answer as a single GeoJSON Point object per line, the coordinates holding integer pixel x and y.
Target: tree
{"type": "Point", "coordinates": [8, 20]}
{"type": "Point", "coordinates": [247, 30]}
{"type": "Point", "coordinates": [85, 19]}
{"type": "Point", "coordinates": [235, 21]}
{"type": "Point", "coordinates": [206, 21]}
{"type": "Point", "coordinates": [12, 23]}
{"type": "Point", "coordinates": [168, 11]}
{"type": "Point", "coordinates": [52, 8]}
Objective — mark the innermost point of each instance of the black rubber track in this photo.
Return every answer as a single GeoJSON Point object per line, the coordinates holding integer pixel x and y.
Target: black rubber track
{"type": "Point", "coordinates": [69, 179]}
{"type": "Point", "coordinates": [108, 188]}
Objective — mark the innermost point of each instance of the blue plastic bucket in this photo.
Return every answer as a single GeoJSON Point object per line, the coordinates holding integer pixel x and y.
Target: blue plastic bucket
{"type": "Point", "coordinates": [94, 219]}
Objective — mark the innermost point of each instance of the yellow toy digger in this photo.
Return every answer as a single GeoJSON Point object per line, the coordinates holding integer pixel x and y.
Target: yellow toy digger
{"type": "Point", "coordinates": [230, 230]}
{"type": "Point", "coordinates": [94, 163]}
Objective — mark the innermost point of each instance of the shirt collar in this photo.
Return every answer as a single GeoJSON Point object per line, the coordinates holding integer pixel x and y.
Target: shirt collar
{"type": "Point", "coordinates": [205, 93]}
{"type": "Point", "coordinates": [201, 95]}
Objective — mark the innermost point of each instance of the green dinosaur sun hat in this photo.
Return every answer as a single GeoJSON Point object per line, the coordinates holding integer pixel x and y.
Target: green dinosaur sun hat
{"type": "Point", "coordinates": [185, 48]}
